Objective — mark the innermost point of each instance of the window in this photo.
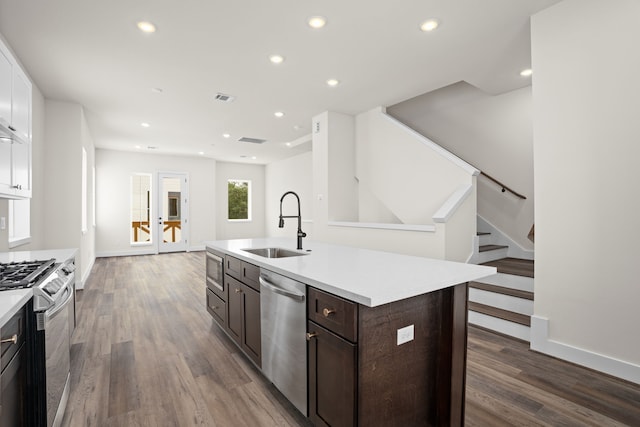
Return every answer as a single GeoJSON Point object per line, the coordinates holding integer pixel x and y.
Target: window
{"type": "Point", "coordinates": [239, 199]}
{"type": "Point", "coordinates": [19, 222]}
{"type": "Point", "coordinates": [141, 209]}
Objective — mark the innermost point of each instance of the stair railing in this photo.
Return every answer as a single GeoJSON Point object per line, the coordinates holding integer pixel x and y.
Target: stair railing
{"type": "Point", "coordinates": [504, 187]}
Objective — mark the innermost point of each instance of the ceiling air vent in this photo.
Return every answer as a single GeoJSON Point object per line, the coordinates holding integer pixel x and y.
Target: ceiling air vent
{"type": "Point", "coordinates": [224, 98]}
{"type": "Point", "coordinates": [252, 140]}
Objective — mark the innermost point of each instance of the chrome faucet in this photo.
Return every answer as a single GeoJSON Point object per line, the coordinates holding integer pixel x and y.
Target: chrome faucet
{"type": "Point", "coordinates": [301, 233]}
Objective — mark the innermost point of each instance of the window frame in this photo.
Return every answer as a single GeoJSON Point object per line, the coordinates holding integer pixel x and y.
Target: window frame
{"type": "Point", "coordinates": [150, 211]}
{"type": "Point", "coordinates": [249, 204]}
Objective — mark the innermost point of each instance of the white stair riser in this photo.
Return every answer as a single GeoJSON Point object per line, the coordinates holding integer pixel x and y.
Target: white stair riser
{"type": "Point", "coordinates": [499, 325]}
{"type": "Point", "coordinates": [485, 239]}
{"type": "Point", "coordinates": [490, 255]}
{"type": "Point", "coordinates": [505, 302]}
{"type": "Point", "coordinates": [510, 281]}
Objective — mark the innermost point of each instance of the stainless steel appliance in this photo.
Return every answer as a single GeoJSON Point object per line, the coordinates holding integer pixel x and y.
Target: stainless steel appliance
{"type": "Point", "coordinates": [284, 346]}
{"type": "Point", "coordinates": [48, 333]}
{"type": "Point", "coordinates": [215, 274]}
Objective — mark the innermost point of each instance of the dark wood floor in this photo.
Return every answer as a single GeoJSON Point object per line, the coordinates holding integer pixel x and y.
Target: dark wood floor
{"type": "Point", "coordinates": [147, 353]}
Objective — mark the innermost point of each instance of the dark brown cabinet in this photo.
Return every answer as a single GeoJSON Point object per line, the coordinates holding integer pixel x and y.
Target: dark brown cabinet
{"type": "Point", "coordinates": [13, 376]}
{"type": "Point", "coordinates": [333, 364]}
{"type": "Point", "coordinates": [243, 306]}
{"type": "Point", "coordinates": [243, 323]}
{"type": "Point", "coordinates": [360, 375]}
{"type": "Point", "coordinates": [233, 300]}
{"type": "Point", "coordinates": [332, 378]}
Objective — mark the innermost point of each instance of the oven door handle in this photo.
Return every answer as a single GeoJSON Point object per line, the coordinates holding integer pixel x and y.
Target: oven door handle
{"type": "Point", "coordinates": [59, 307]}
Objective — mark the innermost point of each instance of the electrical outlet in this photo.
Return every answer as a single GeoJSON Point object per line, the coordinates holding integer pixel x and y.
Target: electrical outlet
{"type": "Point", "coordinates": [405, 334]}
{"type": "Point", "coordinates": [3, 223]}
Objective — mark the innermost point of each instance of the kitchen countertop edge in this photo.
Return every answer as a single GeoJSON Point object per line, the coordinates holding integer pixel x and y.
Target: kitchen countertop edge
{"type": "Point", "coordinates": [353, 275]}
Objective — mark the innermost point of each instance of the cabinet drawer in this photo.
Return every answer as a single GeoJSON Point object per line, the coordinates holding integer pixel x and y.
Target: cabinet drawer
{"type": "Point", "coordinates": [15, 326]}
{"type": "Point", "coordinates": [334, 313]}
{"type": "Point", "coordinates": [217, 308]}
{"type": "Point", "coordinates": [251, 275]}
{"type": "Point", "coordinates": [233, 267]}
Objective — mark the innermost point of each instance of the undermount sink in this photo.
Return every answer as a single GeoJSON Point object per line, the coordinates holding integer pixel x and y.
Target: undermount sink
{"type": "Point", "coordinates": [274, 252]}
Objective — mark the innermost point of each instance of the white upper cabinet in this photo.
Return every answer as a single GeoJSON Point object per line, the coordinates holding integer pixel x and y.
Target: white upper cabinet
{"type": "Point", "coordinates": [21, 105]}
{"type": "Point", "coordinates": [15, 128]}
{"type": "Point", "coordinates": [6, 76]}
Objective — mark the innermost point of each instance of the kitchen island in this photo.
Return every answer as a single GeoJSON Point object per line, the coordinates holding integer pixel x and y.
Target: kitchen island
{"type": "Point", "coordinates": [386, 332]}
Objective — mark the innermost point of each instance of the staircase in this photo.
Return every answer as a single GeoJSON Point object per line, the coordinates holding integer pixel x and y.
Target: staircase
{"type": "Point", "coordinates": [502, 302]}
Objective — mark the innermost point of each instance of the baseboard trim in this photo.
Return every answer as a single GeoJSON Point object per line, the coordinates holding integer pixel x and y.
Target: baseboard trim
{"type": "Point", "coordinates": [540, 342]}
{"type": "Point", "coordinates": [124, 253]}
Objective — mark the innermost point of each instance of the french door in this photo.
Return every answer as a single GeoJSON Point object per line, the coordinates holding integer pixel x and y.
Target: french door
{"type": "Point", "coordinates": [172, 226]}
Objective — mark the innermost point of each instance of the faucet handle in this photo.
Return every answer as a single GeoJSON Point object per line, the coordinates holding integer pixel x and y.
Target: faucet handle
{"type": "Point", "coordinates": [302, 234]}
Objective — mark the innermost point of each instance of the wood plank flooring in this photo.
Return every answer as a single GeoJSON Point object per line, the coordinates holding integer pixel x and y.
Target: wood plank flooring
{"type": "Point", "coordinates": [147, 353]}
{"type": "Point", "coordinates": [517, 266]}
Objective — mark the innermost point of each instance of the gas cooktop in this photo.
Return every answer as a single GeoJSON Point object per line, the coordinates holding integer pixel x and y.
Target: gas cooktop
{"type": "Point", "coordinates": [16, 275]}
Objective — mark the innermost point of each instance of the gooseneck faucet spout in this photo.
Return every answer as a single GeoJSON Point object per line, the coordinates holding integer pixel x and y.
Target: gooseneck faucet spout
{"type": "Point", "coordinates": [301, 233]}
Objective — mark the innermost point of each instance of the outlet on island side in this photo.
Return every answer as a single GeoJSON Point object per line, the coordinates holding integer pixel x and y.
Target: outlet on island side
{"type": "Point", "coordinates": [405, 334]}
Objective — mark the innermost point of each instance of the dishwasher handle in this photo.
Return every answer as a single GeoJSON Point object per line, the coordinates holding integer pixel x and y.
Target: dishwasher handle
{"type": "Point", "coordinates": [278, 290]}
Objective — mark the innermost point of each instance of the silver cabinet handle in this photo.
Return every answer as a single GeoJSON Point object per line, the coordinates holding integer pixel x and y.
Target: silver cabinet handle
{"type": "Point", "coordinates": [13, 339]}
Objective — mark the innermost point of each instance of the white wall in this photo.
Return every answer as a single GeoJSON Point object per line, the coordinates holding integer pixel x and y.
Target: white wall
{"type": "Point", "coordinates": [494, 133]}
{"type": "Point", "coordinates": [404, 173]}
{"type": "Point", "coordinates": [586, 101]}
{"type": "Point", "coordinates": [240, 229]}
{"type": "Point", "coordinates": [292, 174]}
{"type": "Point", "coordinates": [113, 172]}
{"type": "Point", "coordinates": [66, 134]}
{"type": "Point", "coordinates": [399, 170]}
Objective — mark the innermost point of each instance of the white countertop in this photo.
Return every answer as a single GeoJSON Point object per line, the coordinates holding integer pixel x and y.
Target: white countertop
{"type": "Point", "coordinates": [365, 276]}
{"type": "Point", "coordinates": [12, 301]}
{"type": "Point", "coordinates": [59, 254]}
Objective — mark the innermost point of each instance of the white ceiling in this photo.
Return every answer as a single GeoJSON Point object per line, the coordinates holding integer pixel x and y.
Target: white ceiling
{"type": "Point", "coordinates": [91, 52]}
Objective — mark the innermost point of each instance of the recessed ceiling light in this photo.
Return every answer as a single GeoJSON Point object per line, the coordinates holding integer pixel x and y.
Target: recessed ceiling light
{"type": "Point", "coordinates": [278, 114]}
{"type": "Point", "coordinates": [145, 125]}
{"type": "Point", "coordinates": [526, 73]}
{"type": "Point", "coordinates": [333, 82]}
{"type": "Point", "coordinates": [430, 24]}
{"type": "Point", "coordinates": [201, 153]}
{"type": "Point", "coordinates": [317, 22]}
{"type": "Point", "coordinates": [276, 59]}
{"type": "Point", "coordinates": [226, 135]}
{"type": "Point", "coordinates": [253, 157]}
{"type": "Point", "coordinates": [138, 147]}
{"type": "Point", "coordinates": [288, 144]}
{"type": "Point", "coordinates": [146, 27]}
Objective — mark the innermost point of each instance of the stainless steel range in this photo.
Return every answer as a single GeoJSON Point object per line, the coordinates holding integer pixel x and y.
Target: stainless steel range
{"type": "Point", "coordinates": [48, 333]}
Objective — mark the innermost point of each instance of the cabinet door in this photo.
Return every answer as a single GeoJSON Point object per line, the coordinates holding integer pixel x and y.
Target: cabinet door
{"type": "Point", "coordinates": [21, 157]}
{"type": "Point", "coordinates": [251, 338]}
{"type": "Point", "coordinates": [5, 167]}
{"type": "Point", "coordinates": [234, 308]}
{"type": "Point", "coordinates": [21, 106]}
{"type": "Point", "coordinates": [5, 88]}
{"type": "Point", "coordinates": [332, 378]}
{"type": "Point", "coordinates": [217, 308]}
{"type": "Point", "coordinates": [14, 391]}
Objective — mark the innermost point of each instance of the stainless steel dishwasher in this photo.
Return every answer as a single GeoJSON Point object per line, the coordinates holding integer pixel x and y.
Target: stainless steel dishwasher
{"type": "Point", "coordinates": [284, 345]}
